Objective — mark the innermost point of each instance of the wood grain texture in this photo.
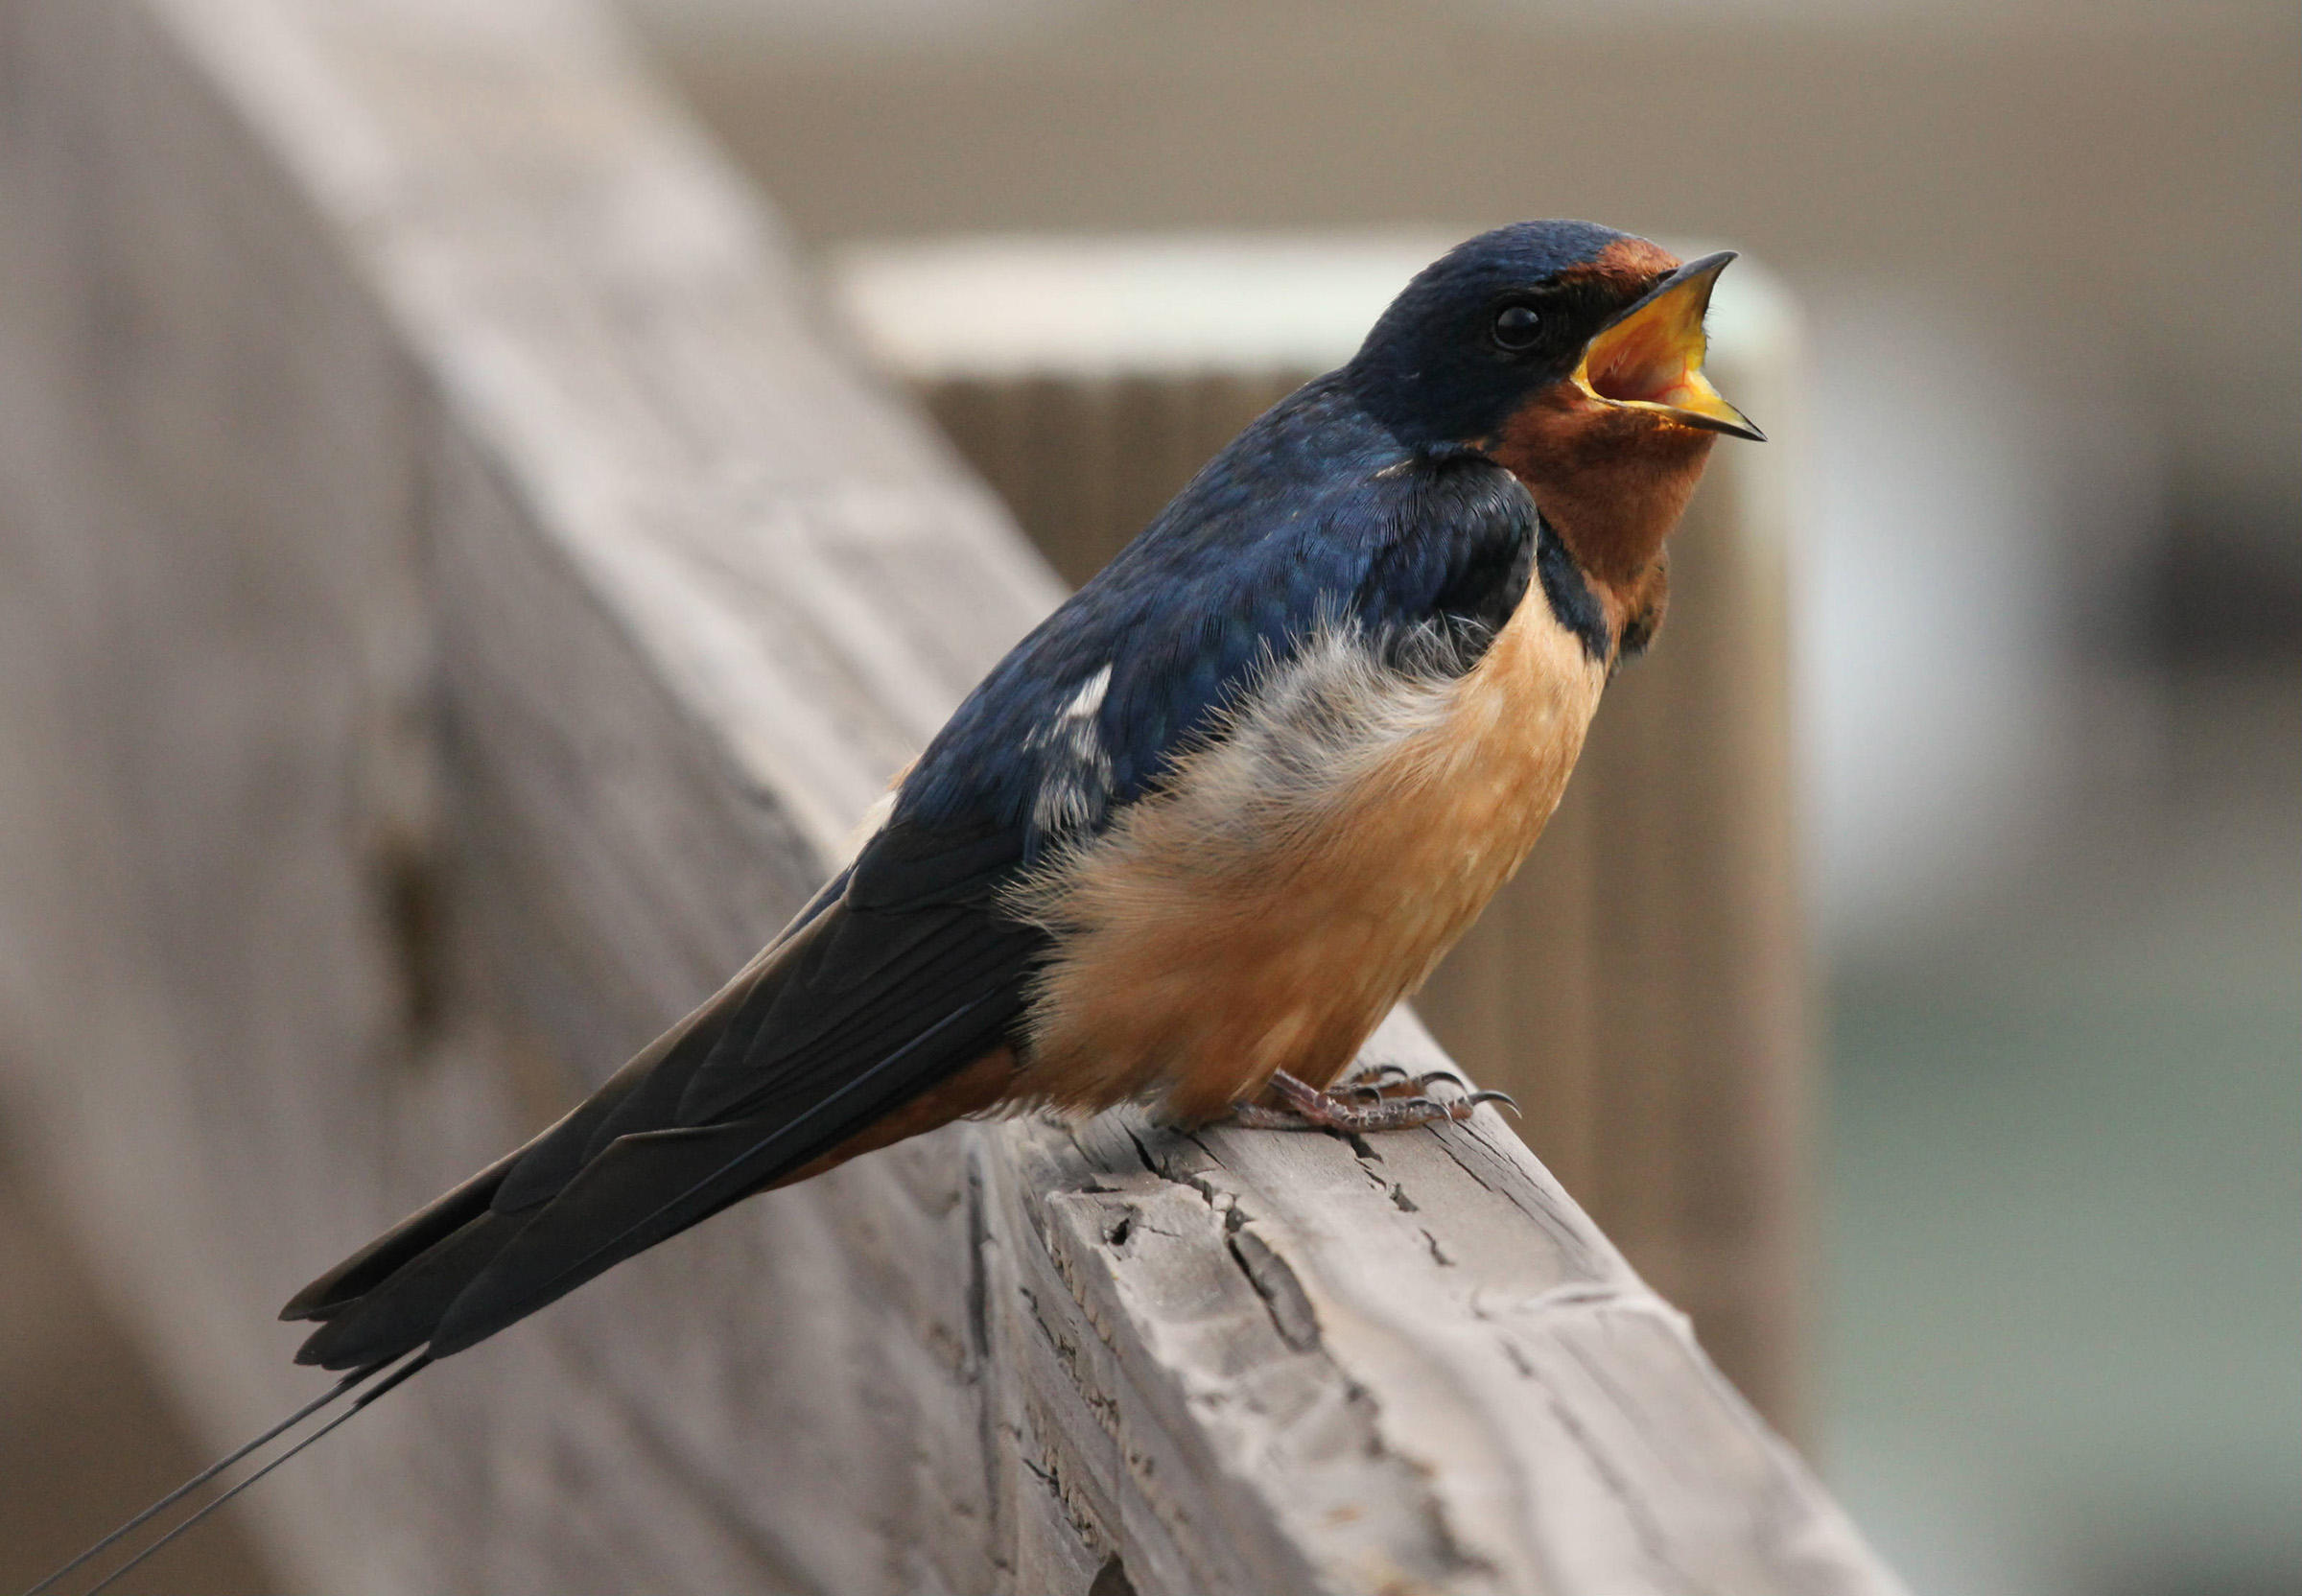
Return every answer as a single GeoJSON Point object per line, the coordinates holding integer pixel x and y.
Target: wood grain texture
{"type": "Point", "coordinates": [455, 602]}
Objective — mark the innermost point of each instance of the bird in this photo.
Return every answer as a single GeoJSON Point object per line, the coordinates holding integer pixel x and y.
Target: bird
{"type": "Point", "coordinates": [1195, 836]}
{"type": "Point", "coordinates": [1192, 838]}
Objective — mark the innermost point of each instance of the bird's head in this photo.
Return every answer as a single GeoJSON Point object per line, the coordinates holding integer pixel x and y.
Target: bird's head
{"type": "Point", "coordinates": [1571, 354]}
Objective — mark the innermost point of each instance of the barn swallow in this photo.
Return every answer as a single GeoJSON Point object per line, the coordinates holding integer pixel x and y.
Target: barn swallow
{"type": "Point", "coordinates": [1197, 834]}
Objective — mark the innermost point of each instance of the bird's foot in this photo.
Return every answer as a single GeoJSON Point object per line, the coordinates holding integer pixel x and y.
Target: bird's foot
{"type": "Point", "coordinates": [1385, 1098]}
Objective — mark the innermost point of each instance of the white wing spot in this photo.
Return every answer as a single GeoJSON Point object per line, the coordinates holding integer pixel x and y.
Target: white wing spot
{"type": "Point", "coordinates": [1074, 779]}
{"type": "Point", "coordinates": [1090, 697]}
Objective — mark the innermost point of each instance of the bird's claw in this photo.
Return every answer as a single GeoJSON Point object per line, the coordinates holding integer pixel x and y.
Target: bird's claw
{"type": "Point", "coordinates": [1364, 1104]}
{"type": "Point", "coordinates": [1383, 1078]}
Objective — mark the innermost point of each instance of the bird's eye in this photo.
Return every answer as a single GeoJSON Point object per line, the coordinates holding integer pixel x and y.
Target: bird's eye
{"type": "Point", "coordinates": [1516, 327]}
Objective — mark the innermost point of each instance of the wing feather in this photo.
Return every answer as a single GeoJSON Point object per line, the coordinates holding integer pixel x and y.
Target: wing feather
{"type": "Point", "coordinates": [908, 967]}
{"type": "Point", "coordinates": [859, 1009]}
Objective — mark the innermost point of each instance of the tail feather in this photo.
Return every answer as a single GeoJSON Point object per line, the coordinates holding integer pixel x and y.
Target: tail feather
{"type": "Point", "coordinates": [391, 1323]}
{"type": "Point", "coordinates": [643, 1189]}
{"type": "Point", "coordinates": [547, 1165]}
{"type": "Point", "coordinates": [650, 1185]}
{"type": "Point", "coordinates": [803, 1058]}
{"type": "Point", "coordinates": [399, 1247]}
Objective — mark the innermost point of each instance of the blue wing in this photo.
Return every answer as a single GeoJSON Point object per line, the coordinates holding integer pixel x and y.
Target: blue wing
{"type": "Point", "coordinates": [908, 966]}
{"type": "Point", "coordinates": [1314, 514]}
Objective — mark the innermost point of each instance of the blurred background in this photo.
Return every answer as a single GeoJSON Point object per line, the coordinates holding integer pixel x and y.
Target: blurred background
{"type": "Point", "coordinates": [2047, 621]}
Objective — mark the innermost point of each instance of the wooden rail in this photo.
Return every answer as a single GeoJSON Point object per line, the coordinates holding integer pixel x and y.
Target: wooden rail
{"type": "Point", "coordinates": [454, 605]}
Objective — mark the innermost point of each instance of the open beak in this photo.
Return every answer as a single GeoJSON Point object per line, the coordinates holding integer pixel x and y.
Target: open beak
{"type": "Point", "coordinates": [1650, 358]}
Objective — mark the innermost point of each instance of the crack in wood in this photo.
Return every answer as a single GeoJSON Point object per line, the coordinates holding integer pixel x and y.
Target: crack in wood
{"type": "Point", "coordinates": [1291, 1312]}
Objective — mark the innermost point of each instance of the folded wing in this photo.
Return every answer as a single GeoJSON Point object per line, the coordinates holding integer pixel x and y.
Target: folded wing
{"type": "Point", "coordinates": [904, 977]}
{"type": "Point", "coordinates": [907, 969]}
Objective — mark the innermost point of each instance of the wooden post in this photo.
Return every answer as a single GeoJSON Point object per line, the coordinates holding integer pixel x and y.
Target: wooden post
{"type": "Point", "coordinates": [457, 603]}
{"type": "Point", "coordinates": [1641, 988]}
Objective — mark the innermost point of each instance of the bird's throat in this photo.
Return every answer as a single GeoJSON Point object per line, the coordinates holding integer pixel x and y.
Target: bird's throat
{"type": "Point", "coordinates": [1613, 483]}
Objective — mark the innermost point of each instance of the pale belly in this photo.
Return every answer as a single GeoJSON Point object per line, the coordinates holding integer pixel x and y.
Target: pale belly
{"type": "Point", "coordinates": [1303, 877]}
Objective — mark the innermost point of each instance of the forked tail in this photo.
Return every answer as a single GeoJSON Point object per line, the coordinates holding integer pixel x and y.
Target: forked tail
{"type": "Point", "coordinates": [328, 1398]}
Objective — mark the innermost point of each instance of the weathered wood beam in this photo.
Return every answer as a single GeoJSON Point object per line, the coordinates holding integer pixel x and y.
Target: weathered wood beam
{"type": "Point", "coordinates": [465, 601]}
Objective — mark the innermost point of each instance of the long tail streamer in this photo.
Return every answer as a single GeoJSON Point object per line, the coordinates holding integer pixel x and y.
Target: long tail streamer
{"type": "Point", "coordinates": [326, 1399]}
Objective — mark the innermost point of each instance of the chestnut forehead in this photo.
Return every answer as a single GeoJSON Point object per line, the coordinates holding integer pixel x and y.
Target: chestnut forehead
{"type": "Point", "coordinates": [1626, 266]}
